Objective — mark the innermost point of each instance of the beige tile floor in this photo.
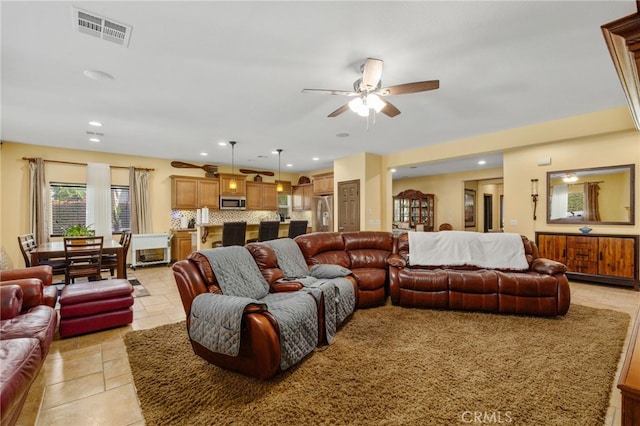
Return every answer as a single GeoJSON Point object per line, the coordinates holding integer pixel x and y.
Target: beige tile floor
{"type": "Point", "coordinates": [86, 380]}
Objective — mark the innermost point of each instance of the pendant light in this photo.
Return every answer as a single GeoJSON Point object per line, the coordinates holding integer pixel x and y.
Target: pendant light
{"type": "Point", "coordinates": [233, 185]}
{"type": "Point", "coordinates": [279, 187]}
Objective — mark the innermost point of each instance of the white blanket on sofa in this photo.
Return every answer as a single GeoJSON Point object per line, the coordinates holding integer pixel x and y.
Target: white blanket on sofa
{"type": "Point", "coordinates": [456, 248]}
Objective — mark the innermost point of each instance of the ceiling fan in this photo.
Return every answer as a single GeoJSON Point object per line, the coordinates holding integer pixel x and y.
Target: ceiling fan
{"type": "Point", "coordinates": [368, 90]}
{"type": "Point", "coordinates": [257, 178]}
{"type": "Point", "coordinates": [210, 169]}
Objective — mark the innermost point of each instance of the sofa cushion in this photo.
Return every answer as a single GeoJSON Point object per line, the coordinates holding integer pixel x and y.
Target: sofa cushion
{"type": "Point", "coordinates": [290, 258]}
{"type": "Point", "coordinates": [38, 322]}
{"type": "Point", "coordinates": [370, 278]}
{"type": "Point", "coordinates": [323, 247]}
{"type": "Point", "coordinates": [236, 272]}
{"type": "Point", "coordinates": [328, 271]}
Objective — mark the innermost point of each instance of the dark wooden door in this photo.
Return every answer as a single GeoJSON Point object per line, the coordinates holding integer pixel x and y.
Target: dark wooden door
{"type": "Point", "coordinates": [488, 212]}
{"type": "Point", "coordinates": [349, 206]}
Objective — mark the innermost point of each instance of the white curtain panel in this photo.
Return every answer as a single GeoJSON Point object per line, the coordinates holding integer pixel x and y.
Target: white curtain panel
{"type": "Point", "coordinates": [99, 198]}
{"type": "Point", "coordinates": [560, 201]}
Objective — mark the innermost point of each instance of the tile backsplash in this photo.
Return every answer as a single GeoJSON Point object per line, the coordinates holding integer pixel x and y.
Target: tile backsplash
{"type": "Point", "coordinates": [218, 217]}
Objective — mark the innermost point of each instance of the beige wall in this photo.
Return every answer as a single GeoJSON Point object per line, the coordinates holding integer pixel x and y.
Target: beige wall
{"type": "Point", "coordinates": [592, 140]}
{"type": "Point", "coordinates": [449, 193]}
{"type": "Point", "coordinates": [520, 166]}
{"type": "Point", "coordinates": [14, 184]}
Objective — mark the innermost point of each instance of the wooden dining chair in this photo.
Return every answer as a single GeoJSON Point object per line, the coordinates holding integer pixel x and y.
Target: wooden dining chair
{"type": "Point", "coordinates": [297, 227]}
{"type": "Point", "coordinates": [233, 234]}
{"type": "Point", "coordinates": [84, 258]}
{"type": "Point", "coordinates": [110, 261]}
{"type": "Point", "coordinates": [267, 230]}
{"type": "Point", "coordinates": [27, 244]}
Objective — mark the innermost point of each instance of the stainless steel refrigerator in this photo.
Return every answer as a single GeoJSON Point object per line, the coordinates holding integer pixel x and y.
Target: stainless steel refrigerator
{"type": "Point", "coordinates": [322, 213]}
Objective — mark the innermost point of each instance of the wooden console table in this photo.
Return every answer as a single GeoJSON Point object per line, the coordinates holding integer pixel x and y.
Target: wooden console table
{"type": "Point", "coordinates": [602, 258]}
{"type": "Point", "coordinates": [629, 381]}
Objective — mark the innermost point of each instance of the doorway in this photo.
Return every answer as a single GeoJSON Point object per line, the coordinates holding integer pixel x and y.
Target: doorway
{"type": "Point", "coordinates": [488, 212]}
{"type": "Point", "coordinates": [349, 206]}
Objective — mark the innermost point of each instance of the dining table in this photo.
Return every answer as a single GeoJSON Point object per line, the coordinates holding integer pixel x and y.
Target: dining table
{"type": "Point", "coordinates": [55, 249]}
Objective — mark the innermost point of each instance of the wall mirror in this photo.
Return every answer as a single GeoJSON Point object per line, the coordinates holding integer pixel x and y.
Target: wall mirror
{"type": "Point", "coordinates": [599, 195]}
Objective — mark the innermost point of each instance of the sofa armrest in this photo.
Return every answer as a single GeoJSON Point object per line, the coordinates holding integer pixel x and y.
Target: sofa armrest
{"type": "Point", "coordinates": [548, 266]}
{"type": "Point", "coordinates": [396, 261]}
{"type": "Point", "coordinates": [10, 301]}
{"type": "Point", "coordinates": [32, 291]}
{"type": "Point", "coordinates": [284, 286]}
{"type": "Point", "coordinates": [42, 272]}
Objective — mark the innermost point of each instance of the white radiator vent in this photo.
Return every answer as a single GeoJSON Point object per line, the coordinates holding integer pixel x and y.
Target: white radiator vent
{"type": "Point", "coordinates": [101, 27]}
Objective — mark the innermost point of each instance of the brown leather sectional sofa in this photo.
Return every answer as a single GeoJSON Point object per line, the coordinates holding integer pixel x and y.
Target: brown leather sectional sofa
{"type": "Point", "coordinates": [380, 268]}
{"type": "Point", "coordinates": [27, 326]}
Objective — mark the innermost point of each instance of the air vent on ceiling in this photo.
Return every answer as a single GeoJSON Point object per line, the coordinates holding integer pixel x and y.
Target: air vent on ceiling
{"type": "Point", "coordinates": [101, 27]}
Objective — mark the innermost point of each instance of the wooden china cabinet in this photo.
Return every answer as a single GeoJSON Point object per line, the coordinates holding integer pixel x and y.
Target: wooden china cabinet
{"type": "Point", "coordinates": [412, 207]}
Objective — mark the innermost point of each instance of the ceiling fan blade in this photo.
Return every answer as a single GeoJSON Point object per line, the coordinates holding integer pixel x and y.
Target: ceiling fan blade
{"type": "Point", "coordinates": [258, 172]}
{"type": "Point", "coordinates": [403, 89]}
{"type": "Point", "coordinates": [389, 109]}
{"type": "Point", "coordinates": [339, 111]}
{"type": "Point", "coordinates": [329, 92]}
{"type": "Point", "coordinates": [371, 73]}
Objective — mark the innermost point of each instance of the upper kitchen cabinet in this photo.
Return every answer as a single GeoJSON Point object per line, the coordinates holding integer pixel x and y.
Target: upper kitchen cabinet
{"type": "Point", "coordinates": [302, 195]}
{"type": "Point", "coordinates": [262, 196]}
{"type": "Point", "coordinates": [323, 184]}
{"type": "Point", "coordinates": [190, 193]}
{"type": "Point", "coordinates": [225, 180]}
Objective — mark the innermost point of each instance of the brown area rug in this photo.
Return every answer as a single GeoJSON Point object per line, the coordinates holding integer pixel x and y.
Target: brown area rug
{"type": "Point", "coordinates": [399, 366]}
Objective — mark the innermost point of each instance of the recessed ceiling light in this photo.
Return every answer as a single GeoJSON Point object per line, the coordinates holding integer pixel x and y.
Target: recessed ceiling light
{"type": "Point", "coordinates": [95, 123]}
{"type": "Point", "coordinates": [316, 159]}
{"type": "Point", "coordinates": [94, 140]}
{"type": "Point", "coordinates": [222, 143]}
{"type": "Point", "coordinates": [342, 135]}
{"type": "Point", "coordinates": [274, 152]}
{"type": "Point", "coordinates": [289, 165]}
{"type": "Point", "coordinates": [98, 75]}
{"type": "Point", "coordinates": [393, 170]}
{"type": "Point", "coordinates": [204, 154]}
{"type": "Point", "coordinates": [482, 162]}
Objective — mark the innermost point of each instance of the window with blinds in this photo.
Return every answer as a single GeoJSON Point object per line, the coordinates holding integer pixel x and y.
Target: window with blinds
{"type": "Point", "coordinates": [69, 207]}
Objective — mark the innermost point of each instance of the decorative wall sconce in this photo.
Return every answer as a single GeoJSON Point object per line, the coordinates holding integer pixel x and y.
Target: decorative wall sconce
{"type": "Point", "coordinates": [534, 196]}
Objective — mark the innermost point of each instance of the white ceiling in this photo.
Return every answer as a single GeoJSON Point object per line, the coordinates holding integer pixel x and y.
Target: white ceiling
{"type": "Point", "coordinates": [197, 73]}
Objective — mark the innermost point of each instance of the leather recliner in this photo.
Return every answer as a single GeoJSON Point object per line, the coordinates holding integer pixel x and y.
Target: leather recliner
{"type": "Point", "coordinates": [27, 328]}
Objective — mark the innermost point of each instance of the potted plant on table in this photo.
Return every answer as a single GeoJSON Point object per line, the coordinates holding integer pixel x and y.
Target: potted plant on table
{"type": "Point", "coordinates": [79, 230]}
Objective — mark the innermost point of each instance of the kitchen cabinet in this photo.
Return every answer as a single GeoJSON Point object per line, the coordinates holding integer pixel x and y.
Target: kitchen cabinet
{"type": "Point", "coordinates": [181, 244]}
{"type": "Point", "coordinates": [190, 193]}
{"type": "Point", "coordinates": [323, 184]}
{"type": "Point", "coordinates": [411, 208]}
{"type": "Point", "coordinates": [225, 179]}
{"type": "Point", "coordinates": [608, 259]}
{"type": "Point", "coordinates": [262, 196]}
{"type": "Point", "coordinates": [302, 195]}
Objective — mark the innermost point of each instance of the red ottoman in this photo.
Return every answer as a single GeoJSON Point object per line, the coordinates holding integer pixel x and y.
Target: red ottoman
{"type": "Point", "coordinates": [94, 306]}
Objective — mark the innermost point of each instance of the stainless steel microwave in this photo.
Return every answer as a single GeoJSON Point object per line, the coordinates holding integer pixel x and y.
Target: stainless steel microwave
{"type": "Point", "coordinates": [233, 202]}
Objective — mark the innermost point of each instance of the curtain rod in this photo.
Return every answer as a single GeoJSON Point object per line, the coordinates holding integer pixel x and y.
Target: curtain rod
{"type": "Point", "coordinates": [31, 160]}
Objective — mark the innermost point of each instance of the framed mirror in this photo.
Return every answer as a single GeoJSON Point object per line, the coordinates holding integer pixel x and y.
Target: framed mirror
{"type": "Point", "coordinates": [599, 195]}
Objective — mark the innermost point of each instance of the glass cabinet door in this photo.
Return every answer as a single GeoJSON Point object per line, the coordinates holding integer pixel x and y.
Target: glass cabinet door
{"type": "Point", "coordinates": [411, 208]}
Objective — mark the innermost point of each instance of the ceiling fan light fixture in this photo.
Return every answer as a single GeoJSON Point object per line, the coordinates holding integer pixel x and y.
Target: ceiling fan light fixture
{"type": "Point", "coordinates": [374, 102]}
{"type": "Point", "coordinates": [358, 106]}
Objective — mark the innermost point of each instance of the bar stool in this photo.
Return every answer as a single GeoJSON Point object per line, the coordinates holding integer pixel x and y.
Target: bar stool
{"type": "Point", "coordinates": [233, 234]}
{"type": "Point", "coordinates": [268, 230]}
